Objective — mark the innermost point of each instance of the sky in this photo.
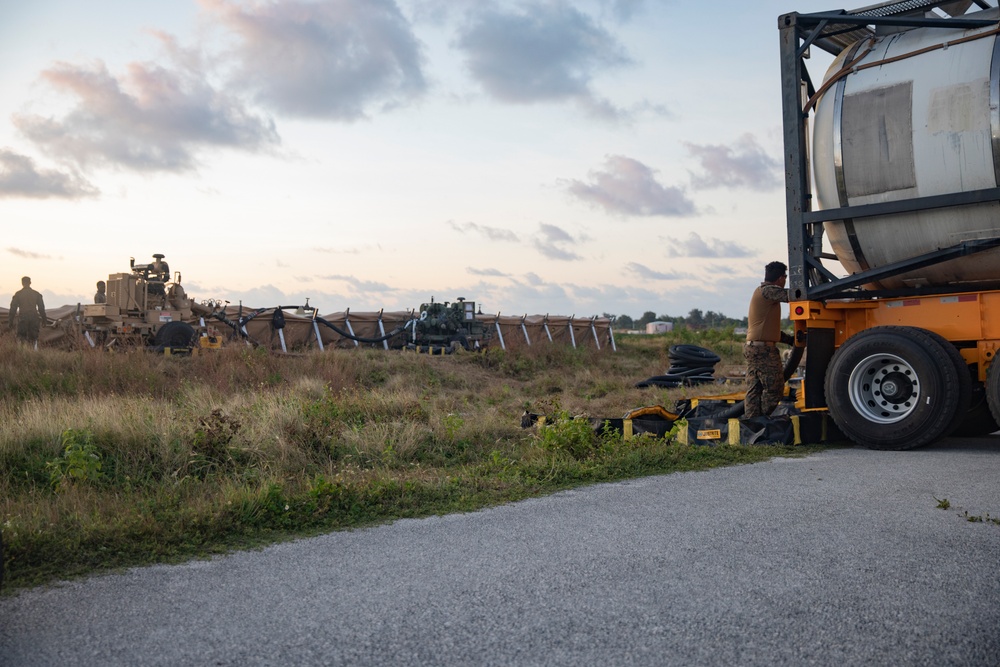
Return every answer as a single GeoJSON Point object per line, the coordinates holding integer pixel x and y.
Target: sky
{"type": "Point", "coordinates": [539, 156]}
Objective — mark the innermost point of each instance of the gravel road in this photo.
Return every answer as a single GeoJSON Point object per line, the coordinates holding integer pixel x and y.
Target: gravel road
{"type": "Point", "coordinates": [840, 558]}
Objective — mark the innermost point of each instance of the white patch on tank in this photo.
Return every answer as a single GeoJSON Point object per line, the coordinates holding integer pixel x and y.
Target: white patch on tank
{"type": "Point", "coordinates": [961, 108]}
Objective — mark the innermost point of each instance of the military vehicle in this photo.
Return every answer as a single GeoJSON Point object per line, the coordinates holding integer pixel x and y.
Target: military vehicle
{"type": "Point", "coordinates": [446, 326]}
{"type": "Point", "coordinates": [146, 307]}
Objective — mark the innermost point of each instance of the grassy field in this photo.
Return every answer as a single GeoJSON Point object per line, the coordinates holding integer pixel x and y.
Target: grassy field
{"type": "Point", "coordinates": [117, 459]}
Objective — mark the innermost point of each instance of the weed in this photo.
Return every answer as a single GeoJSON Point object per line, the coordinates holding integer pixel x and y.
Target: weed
{"type": "Point", "coordinates": [574, 436]}
{"type": "Point", "coordinates": [210, 447]}
{"type": "Point", "coordinates": [979, 518]}
{"type": "Point", "coordinates": [79, 463]}
{"type": "Point", "coordinates": [452, 425]}
{"type": "Point", "coordinates": [942, 503]}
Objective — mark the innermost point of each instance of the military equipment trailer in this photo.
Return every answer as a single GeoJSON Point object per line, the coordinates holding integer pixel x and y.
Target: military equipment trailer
{"type": "Point", "coordinates": [146, 307]}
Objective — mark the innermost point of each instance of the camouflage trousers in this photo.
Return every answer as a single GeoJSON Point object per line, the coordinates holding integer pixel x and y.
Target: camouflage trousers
{"type": "Point", "coordinates": [27, 329]}
{"type": "Point", "coordinates": [765, 380]}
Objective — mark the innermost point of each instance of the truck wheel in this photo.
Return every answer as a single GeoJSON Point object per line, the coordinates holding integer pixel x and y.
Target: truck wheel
{"type": "Point", "coordinates": [893, 388]}
{"type": "Point", "coordinates": [174, 334]}
{"type": "Point", "coordinates": [978, 420]}
{"type": "Point", "coordinates": [964, 381]}
{"type": "Point", "coordinates": [993, 388]}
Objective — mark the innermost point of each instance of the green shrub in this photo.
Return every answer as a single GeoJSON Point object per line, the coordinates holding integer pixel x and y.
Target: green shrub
{"type": "Point", "coordinates": [79, 463]}
{"type": "Point", "coordinates": [570, 435]}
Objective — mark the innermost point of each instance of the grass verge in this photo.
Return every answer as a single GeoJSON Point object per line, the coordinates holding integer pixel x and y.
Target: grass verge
{"type": "Point", "coordinates": [115, 460]}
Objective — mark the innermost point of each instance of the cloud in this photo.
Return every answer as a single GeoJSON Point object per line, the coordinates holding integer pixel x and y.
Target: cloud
{"type": "Point", "coordinates": [19, 177]}
{"type": "Point", "coordinates": [438, 12]}
{"type": "Point", "coordinates": [548, 52]}
{"type": "Point", "coordinates": [550, 241]}
{"type": "Point", "coordinates": [148, 119]}
{"type": "Point", "coordinates": [744, 164]}
{"type": "Point", "coordinates": [362, 286]}
{"type": "Point", "coordinates": [262, 296]}
{"type": "Point", "coordinates": [334, 59]}
{"type": "Point", "coordinates": [624, 10]}
{"type": "Point", "coordinates": [646, 273]}
{"type": "Point", "coordinates": [496, 273]}
{"type": "Point", "coordinates": [492, 233]}
{"type": "Point", "coordinates": [722, 269]}
{"type": "Point", "coordinates": [27, 254]}
{"type": "Point", "coordinates": [695, 246]}
{"type": "Point", "coordinates": [628, 187]}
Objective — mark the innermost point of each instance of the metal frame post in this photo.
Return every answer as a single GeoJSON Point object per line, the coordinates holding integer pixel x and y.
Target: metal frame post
{"type": "Point", "coordinates": [381, 329]}
{"type": "Point", "coordinates": [496, 323]}
{"type": "Point", "coordinates": [794, 122]}
{"type": "Point", "coordinates": [319, 338]}
{"type": "Point", "coordinates": [350, 329]}
{"type": "Point", "coordinates": [525, 329]}
{"type": "Point", "coordinates": [281, 339]}
{"type": "Point", "coordinates": [243, 325]}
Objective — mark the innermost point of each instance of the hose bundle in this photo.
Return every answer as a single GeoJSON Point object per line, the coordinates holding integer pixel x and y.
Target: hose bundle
{"type": "Point", "coordinates": [689, 365]}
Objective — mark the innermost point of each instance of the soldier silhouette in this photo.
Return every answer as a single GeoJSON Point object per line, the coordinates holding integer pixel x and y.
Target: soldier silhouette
{"type": "Point", "coordinates": [28, 308]}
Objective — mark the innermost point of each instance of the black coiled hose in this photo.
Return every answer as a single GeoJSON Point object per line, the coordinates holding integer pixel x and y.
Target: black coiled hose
{"type": "Point", "coordinates": [361, 339]}
{"type": "Point", "coordinates": [689, 365]}
{"type": "Point", "coordinates": [237, 326]}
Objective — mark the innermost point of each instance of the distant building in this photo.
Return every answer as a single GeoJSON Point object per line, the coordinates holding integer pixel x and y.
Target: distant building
{"type": "Point", "coordinates": [659, 327]}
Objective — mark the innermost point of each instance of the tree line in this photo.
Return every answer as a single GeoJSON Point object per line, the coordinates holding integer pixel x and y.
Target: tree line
{"type": "Point", "coordinates": [696, 319]}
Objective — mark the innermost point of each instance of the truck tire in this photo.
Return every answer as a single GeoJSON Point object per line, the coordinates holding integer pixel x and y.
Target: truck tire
{"type": "Point", "coordinates": [978, 420]}
{"type": "Point", "coordinates": [893, 388]}
{"type": "Point", "coordinates": [964, 381]}
{"type": "Point", "coordinates": [993, 388]}
{"type": "Point", "coordinates": [175, 334]}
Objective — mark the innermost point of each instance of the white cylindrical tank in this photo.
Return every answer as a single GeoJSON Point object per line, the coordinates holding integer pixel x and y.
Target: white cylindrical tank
{"type": "Point", "coordinates": [659, 327]}
{"type": "Point", "coordinates": [919, 115]}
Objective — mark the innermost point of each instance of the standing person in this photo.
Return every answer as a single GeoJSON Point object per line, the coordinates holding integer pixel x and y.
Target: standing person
{"type": "Point", "coordinates": [28, 306]}
{"type": "Point", "coordinates": [101, 296]}
{"type": "Point", "coordinates": [765, 376]}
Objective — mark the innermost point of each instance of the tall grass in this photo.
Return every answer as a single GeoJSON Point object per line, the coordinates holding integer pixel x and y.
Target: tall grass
{"type": "Point", "coordinates": [112, 459]}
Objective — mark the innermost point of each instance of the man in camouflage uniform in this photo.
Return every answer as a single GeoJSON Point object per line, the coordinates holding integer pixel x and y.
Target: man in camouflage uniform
{"type": "Point", "coordinates": [28, 307]}
{"type": "Point", "coordinates": [765, 375]}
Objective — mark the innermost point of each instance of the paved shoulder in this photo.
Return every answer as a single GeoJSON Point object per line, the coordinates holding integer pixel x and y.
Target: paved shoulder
{"type": "Point", "coordinates": [839, 558]}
